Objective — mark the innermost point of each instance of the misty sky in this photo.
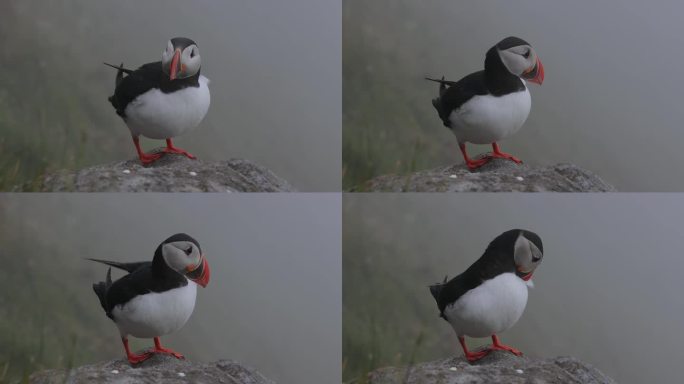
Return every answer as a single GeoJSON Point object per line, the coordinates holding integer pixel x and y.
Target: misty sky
{"type": "Point", "coordinates": [274, 299]}
{"type": "Point", "coordinates": [608, 290]}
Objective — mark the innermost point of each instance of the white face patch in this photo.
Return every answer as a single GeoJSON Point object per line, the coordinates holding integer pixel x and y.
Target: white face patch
{"type": "Point", "coordinates": [518, 59]}
{"type": "Point", "coordinates": [190, 60]}
{"type": "Point", "coordinates": [526, 255]}
{"type": "Point", "coordinates": [180, 255]}
{"type": "Point", "coordinates": [167, 57]}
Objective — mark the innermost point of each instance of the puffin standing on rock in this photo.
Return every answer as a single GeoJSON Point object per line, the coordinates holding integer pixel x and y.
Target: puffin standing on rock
{"type": "Point", "coordinates": [491, 105]}
{"type": "Point", "coordinates": [490, 296]}
{"type": "Point", "coordinates": [164, 99]}
{"type": "Point", "coordinates": [156, 298]}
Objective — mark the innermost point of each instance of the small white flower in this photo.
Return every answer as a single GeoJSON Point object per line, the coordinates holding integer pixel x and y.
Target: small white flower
{"type": "Point", "coordinates": [453, 176]}
{"type": "Point", "coordinates": [193, 173]}
{"type": "Point", "coordinates": [126, 171]}
{"type": "Point", "coordinates": [453, 369]}
{"type": "Point", "coordinates": [519, 178]}
{"type": "Point", "coordinates": [115, 371]}
{"type": "Point", "coordinates": [181, 374]}
{"type": "Point", "coordinates": [518, 371]}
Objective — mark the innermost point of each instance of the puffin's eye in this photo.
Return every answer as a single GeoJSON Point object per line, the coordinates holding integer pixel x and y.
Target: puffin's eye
{"type": "Point", "coordinates": [526, 54]}
{"type": "Point", "coordinates": [188, 251]}
{"type": "Point", "coordinates": [192, 53]}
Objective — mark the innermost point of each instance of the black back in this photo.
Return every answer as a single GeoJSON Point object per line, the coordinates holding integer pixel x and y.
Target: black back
{"type": "Point", "coordinates": [495, 80]}
{"type": "Point", "coordinates": [149, 76]}
{"type": "Point", "coordinates": [144, 277]}
{"type": "Point", "coordinates": [497, 259]}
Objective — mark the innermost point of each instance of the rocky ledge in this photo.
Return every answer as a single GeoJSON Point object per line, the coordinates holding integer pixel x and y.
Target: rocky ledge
{"type": "Point", "coordinates": [158, 369]}
{"type": "Point", "coordinates": [171, 173]}
{"type": "Point", "coordinates": [497, 367]}
{"type": "Point", "coordinates": [496, 176]}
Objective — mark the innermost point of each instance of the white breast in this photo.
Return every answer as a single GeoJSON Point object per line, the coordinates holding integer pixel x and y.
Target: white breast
{"type": "Point", "coordinates": [160, 115]}
{"type": "Point", "coordinates": [156, 314]}
{"type": "Point", "coordinates": [491, 308]}
{"type": "Point", "coordinates": [486, 119]}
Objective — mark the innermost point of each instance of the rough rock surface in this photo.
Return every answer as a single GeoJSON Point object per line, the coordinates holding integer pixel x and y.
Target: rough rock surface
{"type": "Point", "coordinates": [171, 173]}
{"type": "Point", "coordinates": [158, 369]}
{"type": "Point", "coordinates": [496, 176]}
{"type": "Point", "coordinates": [497, 367]}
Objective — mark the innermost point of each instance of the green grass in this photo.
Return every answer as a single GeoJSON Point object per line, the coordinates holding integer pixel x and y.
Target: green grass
{"type": "Point", "coordinates": [51, 116]}
{"type": "Point", "coordinates": [46, 321]}
{"type": "Point", "coordinates": [389, 124]}
{"type": "Point", "coordinates": [385, 319]}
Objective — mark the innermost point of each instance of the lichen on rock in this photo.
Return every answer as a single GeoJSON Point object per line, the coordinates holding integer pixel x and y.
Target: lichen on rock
{"type": "Point", "coordinates": [158, 369]}
{"type": "Point", "coordinates": [496, 176]}
{"type": "Point", "coordinates": [171, 173]}
{"type": "Point", "coordinates": [497, 367]}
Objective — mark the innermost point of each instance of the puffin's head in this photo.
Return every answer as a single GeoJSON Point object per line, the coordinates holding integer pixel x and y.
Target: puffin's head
{"type": "Point", "coordinates": [528, 252]}
{"type": "Point", "coordinates": [183, 254]}
{"type": "Point", "coordinates": [181, 59]}
{"type": "Point", "coordinates": [520, 59]}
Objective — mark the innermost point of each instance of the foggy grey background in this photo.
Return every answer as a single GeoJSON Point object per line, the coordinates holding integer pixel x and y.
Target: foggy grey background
{"type": "Point", "coordinates": [273, 302]}
{"type": "Point", "coordinates": [608, 290]}
{"type": "Point", "coordinates": [610, 102]}
{"type": "Point", "coordinates": [275, 71]}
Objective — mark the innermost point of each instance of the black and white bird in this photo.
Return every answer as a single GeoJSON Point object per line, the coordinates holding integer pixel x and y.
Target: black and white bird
{"type": "Point", "coordinates": [491, 295]}
{"type": "Point", "coordinates": [491, 105]}
{"type": "Point", "coordinates": [164, 99]}
{"type": "Point", "coordinates": [155, 298]}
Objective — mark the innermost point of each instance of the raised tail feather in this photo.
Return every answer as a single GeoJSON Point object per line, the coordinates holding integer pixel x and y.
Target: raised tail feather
{"type": "Point", "coordinates": [128, 267]}
{"type": "Point", "coordinates": [119, 78]}
{"type": "Point", "coordinates": [101, 289]}
{"type": "Point", "coordinates": [442, 84]}
{"type": "Point", "coordinates": [435, 290]}
{"type": "Point", "coordinates": [120, 72]}
{"type": "Point", "coordinates": [437, 102]}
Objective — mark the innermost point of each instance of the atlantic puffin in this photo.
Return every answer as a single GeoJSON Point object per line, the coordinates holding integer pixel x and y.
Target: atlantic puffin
{"type": "Point", "coordinates": [490, 105]}
{"type": "Point", "coordinates": [164, 99]}
{"type": "Point", "coordinates": [491, 295]}
{"type": "Point", "coordinates": [155, 298]}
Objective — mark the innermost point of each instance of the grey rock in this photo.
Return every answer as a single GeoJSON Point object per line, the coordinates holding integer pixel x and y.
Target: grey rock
{"type": "Point", "coordinates": [171, 173]}
{"type": "Point", "coordinates": [496, 176]}
{"type": "Point", "coordinates": [497, 367]}
{"type": "Point", "coordinates": [158, 369]}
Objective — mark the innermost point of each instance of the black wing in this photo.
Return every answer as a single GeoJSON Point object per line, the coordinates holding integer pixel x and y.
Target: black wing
{"type": "Point", "coordinates": [143, 280]}
{"type": "Point", "coordinates": [136, 83]}
{"type": "Point", "coordinates": [457, 93]}
{"type": "Point", "coordinates": [447, 292]}
{"type": "Point", "coordinates": [103, 288]}
{"type": "Point", "coordinates": [496, 260]}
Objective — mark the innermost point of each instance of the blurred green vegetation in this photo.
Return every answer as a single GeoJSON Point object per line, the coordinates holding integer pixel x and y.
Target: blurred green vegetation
{"type": "Point", "coordinates": [46, 321]}
{"type": "Point", "coordinates": [53, 114]}
{"type": "Point", "coordinates": [389, 125]}
{"type": "Point", "coordinates": [387, 321]}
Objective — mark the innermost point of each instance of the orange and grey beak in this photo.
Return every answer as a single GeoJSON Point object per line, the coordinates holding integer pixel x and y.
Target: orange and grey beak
{"type": "Point", "coordinates": [535, 74]}
{"type": "Point", "coordinates": [524, 275]}
{"type": "Point", "coordinates": [200, 273]}
{"type": "Point", "coordinates": [175, 64]}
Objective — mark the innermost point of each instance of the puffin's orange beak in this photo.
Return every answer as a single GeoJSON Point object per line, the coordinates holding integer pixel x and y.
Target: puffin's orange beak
{"type": "Point", "coordinates": [200, 274]}
{"type": "Point", "coordinates": [535, 74]}
{"type": "Point", "coordinates": [173, 72]}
